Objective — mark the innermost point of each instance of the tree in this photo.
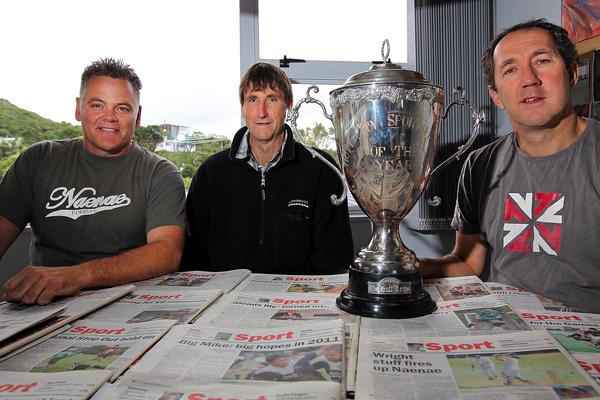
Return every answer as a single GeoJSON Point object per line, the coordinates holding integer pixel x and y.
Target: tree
{"type": "Point", "coordinates": [148, 137]}
{"type": "Point", "coordinates": [320, 138]}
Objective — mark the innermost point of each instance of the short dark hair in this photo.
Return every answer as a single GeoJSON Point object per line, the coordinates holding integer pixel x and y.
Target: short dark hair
{"type": "Point", "coordinates": [261, 75]}
{"type": "Point", "coordinates": [560, 37]}
{"type": "Point", "coordinates": [111, 68]}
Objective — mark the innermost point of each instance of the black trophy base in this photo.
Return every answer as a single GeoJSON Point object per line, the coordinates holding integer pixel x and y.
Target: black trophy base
{"type": "Point", "coordinates": [356, 298]}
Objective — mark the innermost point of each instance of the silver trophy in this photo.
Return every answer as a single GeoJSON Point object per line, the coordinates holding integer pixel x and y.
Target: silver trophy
{"type": "Point", "coordinates": [386, 123]}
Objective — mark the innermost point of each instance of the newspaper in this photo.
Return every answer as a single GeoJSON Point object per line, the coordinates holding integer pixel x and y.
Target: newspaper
{"type": "Point", "coordinates": [76, 385]}
{"type": "Point", "coordinates": [154, 389]}
{"type": "Point", "coordinates": [471, 316]}
{"type": "Point", "coordinates": [90, 345]}
{"type": "Point", "coordinates": [77, 306]}
{"type": "Point", "coordinates": [158, 303]}
{"type": "Point", "coordinates": [208, 354]}
{"type": "Point", "coordinates": [578, 333]}
{"type": "Point", "coordinates": [270, 283]}
{"type": "Point", "coordinates": [224, 280]}
{"type": "Point", "coordinates": [458, 288]}
{"type": "Point", "coordinates": [523, 365]}
{"type": "Point", "coordinates": [15, 318]}
{"type": "Point", "coordinates": [35, 342]}
{"type": "Point", "coordinates": [255, 310]}
{"type": "Point", "coordinates": [523, 300]}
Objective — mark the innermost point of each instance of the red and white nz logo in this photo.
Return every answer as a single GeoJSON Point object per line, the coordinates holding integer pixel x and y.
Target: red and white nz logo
{"type": "Point", "coordinates": [532, 223]}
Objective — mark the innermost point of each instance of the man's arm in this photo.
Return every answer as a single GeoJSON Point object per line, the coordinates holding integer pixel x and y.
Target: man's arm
{"type": "Point", "coordinates": [8, 234]}
{"type": "Point", "coordinates": [161, 255]}
{"type": "Point", "coordinates": [467, 258]}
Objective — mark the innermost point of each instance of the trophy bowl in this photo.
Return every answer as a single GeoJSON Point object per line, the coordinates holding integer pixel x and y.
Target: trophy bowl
{"type": "Point", "coordinates": [386, 122]}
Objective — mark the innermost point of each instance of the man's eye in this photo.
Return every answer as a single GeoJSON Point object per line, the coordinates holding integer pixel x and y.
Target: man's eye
{"type": "Point", "coordinates": [96, 106]}
{"type": "Point", "coordinates": [123, 109]}
{"type": "Point", "coordinates": [273, 99]}
{"type": "Point", "coordinates": [542, 61]}
{"type": "Point", "coordinates": [509, 71]}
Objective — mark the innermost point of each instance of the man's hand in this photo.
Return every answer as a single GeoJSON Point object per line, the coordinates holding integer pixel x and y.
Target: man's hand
{"type": "Point", "coordinates": [41, 284]}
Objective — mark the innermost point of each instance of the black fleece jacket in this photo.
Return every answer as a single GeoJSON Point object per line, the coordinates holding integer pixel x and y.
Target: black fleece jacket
{"type": "Point", "coordinates": [283, 225]}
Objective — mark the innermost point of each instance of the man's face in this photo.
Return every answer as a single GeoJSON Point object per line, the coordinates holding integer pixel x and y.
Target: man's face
{"type": "Point", "coordinates": [281, 362]}
{"type": "Point", "coordinates": [109, 114]}
{"type": "Point", "coordinates": [264, 113]}
{"type": "Point", "coordinates": [532, 82]}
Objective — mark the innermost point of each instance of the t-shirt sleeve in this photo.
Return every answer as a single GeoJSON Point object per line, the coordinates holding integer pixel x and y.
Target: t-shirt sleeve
{"type": "Point", "coordinates": [466, 218]}
{"type": "Point", "coordinates": [166, 204]}
{"type": "Point", "coordinates": [16, 189]}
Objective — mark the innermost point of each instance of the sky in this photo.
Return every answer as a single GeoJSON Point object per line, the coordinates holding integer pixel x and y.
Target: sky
{"type": "Point", "coordinates": [186, 57]}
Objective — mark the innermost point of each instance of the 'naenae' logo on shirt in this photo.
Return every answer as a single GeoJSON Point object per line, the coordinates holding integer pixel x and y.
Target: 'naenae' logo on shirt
{"type": "Point", "coordinates": [533, 226]}
{"type": "Point", "coordinates": [84, 202]}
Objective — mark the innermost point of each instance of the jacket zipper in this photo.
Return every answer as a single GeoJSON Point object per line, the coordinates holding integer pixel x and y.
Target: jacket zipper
{"type": "Point", "coordinates": [262, 205]}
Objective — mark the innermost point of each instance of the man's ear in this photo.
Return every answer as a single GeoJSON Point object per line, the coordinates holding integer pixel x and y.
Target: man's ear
{"type": "Point", "coordinates": [138, 119]}
{"type": "Point", "coordinates": [574, 78]}
{"type": "Point", "coordinates": [495, 97]}
{"type": "Point", "coordinates": [77, 109]}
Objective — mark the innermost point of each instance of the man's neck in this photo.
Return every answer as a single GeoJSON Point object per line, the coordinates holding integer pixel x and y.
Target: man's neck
{"type": "Point", "coordinates": [265, 151]}
{"type": "Point", "coordinates": [548, 141]}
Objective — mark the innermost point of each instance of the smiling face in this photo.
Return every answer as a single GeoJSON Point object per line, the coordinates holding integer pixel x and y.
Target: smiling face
{"type": "Point", "coordinates": [109, 113]}
{"type": "Point", "coordinates": [264, 113]}
{"type": "Point", "coordinates": [532, 81]}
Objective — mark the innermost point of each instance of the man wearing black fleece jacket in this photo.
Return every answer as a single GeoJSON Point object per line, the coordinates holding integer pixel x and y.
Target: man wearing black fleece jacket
{"type": "Point", "coordinates": [264, 203]}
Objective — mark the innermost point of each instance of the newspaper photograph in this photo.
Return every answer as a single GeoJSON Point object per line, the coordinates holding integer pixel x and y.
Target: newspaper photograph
{"type": "Point", "coordinates": [521, 365]}
{"type": "Point", "coordinates": [90, 345]}
{"type": "Point", "coordinates": [168, 390]}
{"type": "Point", "coordinates": [458, 288]}
{"type": "Point", "coordinates": [15, 318]}
{"type": "Point", "coordinates": [578, 333]}
{"type": "Point", "coordinates": [223, 280]}
{"type": "Point", "coordinates": [471, 316]}
{"type": "Point", "coordinates": [273, 283]}
{"type": "Point", "coordinates": [155, 303]}
{"type": "Point", "coordinates": [207, 354]}
{"type": "Point", "coordinates": [75, 385]}
{"type": "Point", "coordinates": [254, 310]}
{"type": "Point", "coordinates": [76, 307]}
{"type": "Point", "coordinates": [521, 299]}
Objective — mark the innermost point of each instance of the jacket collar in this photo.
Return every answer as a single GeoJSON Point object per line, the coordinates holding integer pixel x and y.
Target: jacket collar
{"type": "Point", "coordinates": [289, 151]}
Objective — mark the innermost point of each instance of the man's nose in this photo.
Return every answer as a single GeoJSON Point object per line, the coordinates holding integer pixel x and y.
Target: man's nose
{"type": "Point", "coordinates": [261, 109]}
{"type": "Point", "coordinates": [530, 77]}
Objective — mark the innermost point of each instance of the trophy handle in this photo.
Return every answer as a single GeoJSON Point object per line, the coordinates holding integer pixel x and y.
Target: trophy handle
{"type": "Point", "coordinates": [478, 116]}
{"type": "Point", "coordinates": [292, 117]}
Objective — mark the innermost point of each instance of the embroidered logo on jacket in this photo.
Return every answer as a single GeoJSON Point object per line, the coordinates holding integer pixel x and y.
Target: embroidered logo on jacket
{"type": "Point", "coordinates": [67, 203]}
{"type": "Point", "coordinates": [532, 222]}
{"type": "Point", "coordinates": [296, 202]}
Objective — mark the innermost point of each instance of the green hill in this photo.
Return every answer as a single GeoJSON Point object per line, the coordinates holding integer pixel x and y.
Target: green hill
{"type": "Point", "coordinates": [30, 127]}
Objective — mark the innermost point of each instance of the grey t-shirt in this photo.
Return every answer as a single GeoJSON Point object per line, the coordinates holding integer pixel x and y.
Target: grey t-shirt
{"type": "Point", "coordinates": [82, 207]}
{"type": "Point", "coordinates": [540, 216]}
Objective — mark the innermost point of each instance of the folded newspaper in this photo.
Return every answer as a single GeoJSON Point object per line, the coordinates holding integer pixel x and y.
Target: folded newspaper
{"type": "Point", "coordinates": [15, 318]}
{"type": "Point", "coordinates": [90, 345]}
{"type": "Point", "coordinates": [257, 310]}
{"type": "Point", "coordinates": [205, 354]}
{"type": "Point", "coordinates": [76, 307]}
{"type": "Point", "coordinates": [74, 385]}
{"type": "Point", "coordinates": [523, 365]}
{"type": "Point", "coordinates": [470, 316]}
{"type": "Point", "coordinates": [272, 283]}
{"type": "Point", "coordinates": [523, 300]}
{"type": "Point", "coordinates": [578, 333]}
{"type": "Point", "coordinates": [126, 389]}
{"type": "Point", "coordinates": [158, 303]}
{"type": "Point", "coordinates": [458, 288]}
{"type": "Point", "coordinates": [224, 280]}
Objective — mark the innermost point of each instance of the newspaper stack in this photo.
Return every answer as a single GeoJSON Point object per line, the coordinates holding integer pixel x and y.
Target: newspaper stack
{"type": "Point", "coordinates": [458, 288]}
{"type": "Point", "coordinates": [578, 333]}
{"type": "Point", "coordinates": [224, 280]}
{"type": "Point", "coordinates": [255, 310]}
{"type": "Point", "coordinates": [206, 354]}
{"type": "Point", "coordinates": [76, 307]}
{"type": "Point", "coordinates": [75, 385]}
{"type": "Point", "coordinates": [15, 318]}
{"type": "Point", "coordinates": [127, 389]}
{"type": "Point", "coordinates": [470, 316]}
{"type": "Point", "coordinates": [529, 365]}
{"type": "Point", "coordinates": [273, 283]}
{"type": "Point", "coordinates": [158, 303]}
{"type": "Point", "coordinates": [90, 345]}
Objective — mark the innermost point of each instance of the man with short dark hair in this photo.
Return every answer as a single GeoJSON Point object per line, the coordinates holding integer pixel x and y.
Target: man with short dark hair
{"type": "Point", "coordinates": [264, 203]}
{"type": "Point", "coordinates": [103, 211]}
{"type": "Point", "coordinates": [529, 202]}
